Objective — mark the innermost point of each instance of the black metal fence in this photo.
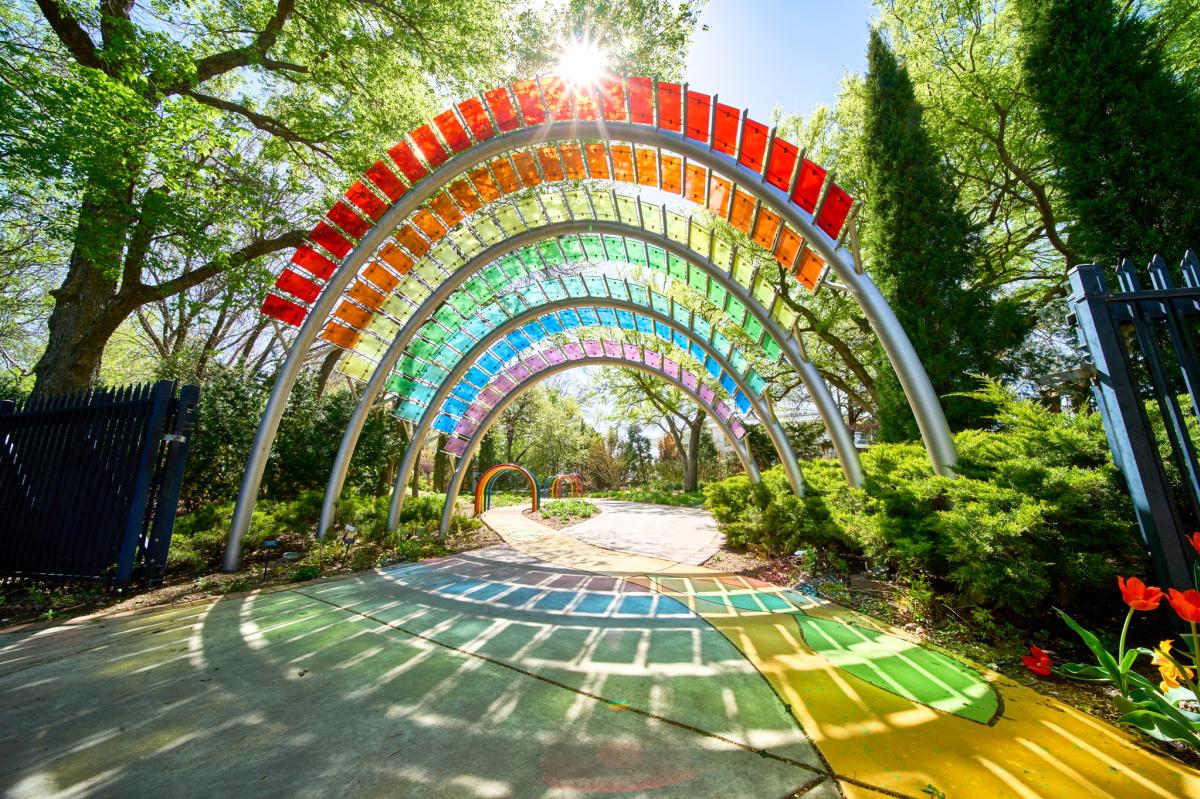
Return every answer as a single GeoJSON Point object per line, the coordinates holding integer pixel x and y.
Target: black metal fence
{"type": "Point", "coordinates": [89, 482]}
{"type": "Point", "coordinates": [1142, 341]}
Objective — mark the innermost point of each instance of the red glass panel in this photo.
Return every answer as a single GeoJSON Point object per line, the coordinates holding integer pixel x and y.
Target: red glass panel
{"type": "Point", "coordinates": [694, 185]}
{"type": "Point", "coordinates": [477, 119]}
{"type": "Point", "coordinates": [765, 228]}
{"type": "Point", "coordinates": [585, 102]}
{"type": "Point", "coordinates": [557, 98]}
{"type": "Point", "coordinates": [612, 94]}
{"type": "Point", "coordinates": [669, 110]}
{"type": "Point", "coordinates": [430, 147]}
{"type": "Point", "coordinates": [697, 115]}
{"type": "Point", "coordinates": [313, 262]}
{"type": "Point", "coordinates": [485, 184]}
{"type": "Point", "coordinates": [341, 335]}
{"type": "Point", "coordinates": [718, 195]}
{"type": "Point", "coordinates": [465, 196]}
{"type": "Point", "coordinates": [397, 259]}
{"type": "Point", "coordinates": [506, 175]}
{"type": "Point", "coordinates": [452, 131]}
{"type": "Point", "coordinates": [551, 167]}
{"type": "Point", "coordinates": [364, 294]}
{"type": "Point", "coordinates": [647, 167]}
{"type": "Point", "coordinates": [597, 161]}
{"type": "Point", "coordinates": [429, 225]}
{"type": "Point", "coordinates": [446, 210]}
{"type": "Point", "coordinates": [809, 270]}
{"type": "Point", "coordinates": [412, 241]}
{"type": "Point", "coordinates": [285, 311]}
{"type": "Point", "coordinates": [787, 247]}
{"type": "Point", "coordinates": [407, 161]}
{"type": "Point", "coordinates": [754, 144]}
{"type": "Point", "coordinates": [330, 239]}
{"type": "Point", "coordinates": [298, 286]}
{"type": "Point", "coordinates": [808, 185]}
{"type": "Point", "coordinates": [502, 109]}
{"type": "Point", "coordinates": [530, 100]}
{"type": "Point", "coordinates": [388, 183]}
{"type": "Point", "coordinates": [783, 161]}
{"type": "Point", "coordinates": [743, 210]}
{"type": "Point", "coordinates": [725, 128]}
{"type": "Point", "coordinates": [834, 211]}
{"type": "Point", "coordinates": [641, 106]}
{"type": "Point", "coordinates": [672, 181]}
{"type": "Point", "coordinates": [365, 200]}
{"type": "Point", "coordinates": [344, 217]}
{"type": "Point", "coordinates": [573, 160]}
{"type": "Point", "coordinates": [622, 161]}
{"type": "Point", "coordinates": [380, 277]}
{"type": "Point", "coordinates": [527, 168]}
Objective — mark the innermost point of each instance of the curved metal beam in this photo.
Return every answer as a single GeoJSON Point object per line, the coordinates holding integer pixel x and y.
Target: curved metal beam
{"type": "Point", "coordinates": [433, 407]}
{"type": "Point", "coordinates": [452, 490]}
{"type": "Point", "coordinates": [831, 416]}
{"type": "Point", "coordinates": [904, 359]}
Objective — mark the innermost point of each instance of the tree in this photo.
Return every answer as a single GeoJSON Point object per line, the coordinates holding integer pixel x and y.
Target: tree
{"type": "Point", "coordinates": [1121, 127]}
{"type": "Point", "coordinates": [923, 255]}
{"type": "Point", "coordinates": [441, 464]}
{"type": "Point", "coordinates": [602, 469]}
{"type": "Point", "coordinates": [635, 456]}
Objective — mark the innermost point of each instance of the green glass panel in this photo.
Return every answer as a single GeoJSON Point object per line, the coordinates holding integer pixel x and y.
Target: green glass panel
{"type": "Point", "coordinates": [397, 307]}
{"type": "Point", "coordinates": [575, 286]}
{"type": "Point", "coordinates": [446, 357]}
{"type": "Point", "coordinates": [409, 365]}
{"type": "Point", "coordinates": [531, 295]}
{"type": "Point", "coordinates": [551, 253]}
{"type": "Point", "coordinates": [383, 327]}
{"type": "Point", "coordinates": [755, 381]}
{"type": "Point", "coordinates": [448, 256]}
{"type": "Point", "coordinates": [697, 279]}
{"type": "Point", "coordinates": [660, 303]}
{"type": "Point", "coordinates": [676, 227]}
{"type": "Point", "coordinates": [784, 315]}
{"type": "Point", "coordinates": [529, 258]}
{"type": "Point", "coordinates": [461, 341]}
{"type": "Point", "coordinates": [699, 239]}
{"type": "Point", "coordinates": [479, 288]}
{"type": "Point", "coordinates": [509, 219]}
{"type": "Point", "coordinates": [577, 201]}
{"type": "Point", "coordinates": [434, 374]}
{"type": "Point", "coordinates": [770, 348]}
{"type": "Point", "coordinates": [399, 384]}
{"type": "Point", "coordinates": [753, 329]}
{"type": "Point", "coordinates": [682, 315]}
{"type": "Point", "coordinates": [603, 203]}
{"type": "Point", "coordinates": [617, 289]}
{"type": "Point", "coordinates": [512, 267]}
{"type": "Point", "coordinates": [735, 310]}
{"type": "Point", "coordinates": [410, 411]}
{"type": "Point", "coordinates": [531, 210]}
{"type": "Point", "coordinates": [511, 304]}
{"type": "Point", "coordinates": [738, 361]}
{"type": "Point", "coordinates": [463, 302]}
{"type": "Point", "coordinates": [556, 208]}
{"type": "Point", "coordinates": [657, 258]}
{"type": "Point", "coordinates": [488, 230]}
{"type": "Point", "coordinates": [722, 254]}
{"type": "Point", "coordinates": [721, 344]}
{"type": "Point", "coordinates": [701, 326]}
{"type": "Point", "coordinates": [652, 217]}
{"type": "Point", "coordinates": [627, 209]}
{"type": "Point", "coordinates": [370, 346]}
{"type": "Point", "coordinates": [639, 295]}
{"type": "Point", "coordinates": [495, 277]}
{"type": "Point", "coordinates": [447, 314]}
{"type": "Point", "coordinates": [765, 294]}
{"type": "Point", "coordinates": [593, 247]}
{"type": "Point", "coordinates": [554, 289]}
{"type": "Point", "coordinates": [430, 272]}
{"type": "Point", "coordinates": [637, 252]}
{"type": "Point", "coordinates": [677, 267]}
{"type": "Point", "coordinates": [422, 348]}
{"type": "Point", "coordinates": [743, 270]}
{"type": "Point", "coordinates": [571, 248]}
{"type": "Point", "coordinates": [615, 247]}
{"type": "Point", "coordinates": [716, 293]}
{"type": "Point", "coordinates": [596, 285]}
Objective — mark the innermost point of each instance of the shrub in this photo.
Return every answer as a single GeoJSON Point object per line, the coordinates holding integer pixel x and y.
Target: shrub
{"type": "Point", "coordinates": [564, 509]}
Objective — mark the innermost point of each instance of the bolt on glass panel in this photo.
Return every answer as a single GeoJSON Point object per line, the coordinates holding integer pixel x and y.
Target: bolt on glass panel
{"type": "Point", "coordinates": [575, 286]}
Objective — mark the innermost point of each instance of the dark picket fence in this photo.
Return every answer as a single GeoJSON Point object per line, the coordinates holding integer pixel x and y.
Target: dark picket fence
{"type": "Point", "coordinates": [1142, 342]}
{"type": "Point", "coordinates": [89, 482]}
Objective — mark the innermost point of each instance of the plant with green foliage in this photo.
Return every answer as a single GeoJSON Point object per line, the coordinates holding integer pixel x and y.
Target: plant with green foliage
{"type": "Point", "coordinates": [655, 496]}
{"type": "Point", "coordinates": [565, 509]}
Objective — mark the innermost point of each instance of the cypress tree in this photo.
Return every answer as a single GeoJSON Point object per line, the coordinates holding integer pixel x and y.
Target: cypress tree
{"type": "Point", "coordinates": [923, 255]}
{"type": "Point", "coordinates": [1121, 128]}
{"type": "Point", "coordinates": [441, 464]}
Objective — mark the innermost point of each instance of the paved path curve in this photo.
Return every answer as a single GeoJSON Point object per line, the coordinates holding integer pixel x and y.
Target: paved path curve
{"type": "Point", "coordinates": [684, 535]}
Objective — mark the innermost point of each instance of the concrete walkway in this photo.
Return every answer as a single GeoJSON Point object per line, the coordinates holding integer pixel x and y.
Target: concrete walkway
{"type": "Point", "coordinates": [684, 535]}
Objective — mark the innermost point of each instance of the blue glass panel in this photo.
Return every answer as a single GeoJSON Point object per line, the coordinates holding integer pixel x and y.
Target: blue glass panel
{"type": "Point", "coordinates": [534, 331]}
{"type": "Point", "coordinates": [477, 376]}
{"type": "Point", "coordinates": [490, 363]}
{"type": "Point", "coordinates": [728, 384]}
{"type": "Point", "coordinates": [444, 423]}
{"type": "Point", "coordinates": [625, 319]}
{"type": "Point", "coordinates": [608, 318]}
{"type": "Point", "coordinates": [504, 351]}
{"type": "Point", "coordinates": [681, 340]}
{"type": "Point", "coordinates": [743, 404]}
{"type": "Point", "coordinates": [645, 324]}
{"type": "Point", "coordinates": [551, 323]}
{"type": "Point", "coordinates": [702, 327]}
{"type": "Point", "coordinates": [569, 319]}
{"type": "Point", "coordinates": [518, 340]}
{"type": "Point", "coordinates": [466, 392]}
{"type": "Point", "coordinates": [588, 317]}
{"type": "Point", "coordinates": [575, 286]}
{"type": "Point", "coordinates": [454, 407]}
{"type": "Point", "coordinates": [712, 367]}
{"type": "Point", "coordinates": [493, 315]}
{"type": "Point", "coordinates": [662, 331]}
{"type": "Point", "coordinates": [697, 351]}
{"type": "Point", "coordinates": [410, 410]}
{"type": "Point", "coordinates": [476, 328]}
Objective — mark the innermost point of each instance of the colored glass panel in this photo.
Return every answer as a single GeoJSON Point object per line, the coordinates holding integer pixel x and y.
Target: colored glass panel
{"type": "Point", "coordinates": [787, 247]}
{"type": "Point", "coordinates": [725, 129]}
{"type": "Point", "coordinates": [622, 160]}
{"type": "Point", "coordinates": [694, 182]}
{"type": "Point", "coordinates": [647, 167]}
{"type": "Point", "coordinates": [834, 211]}
{"type": "Point", "coordinates": [669, 106]}
{"type": "Point", "coordinates": [465, 196]}
{"type": "Point", "coordinates": [364, 294]}
{"type": "Point", "coordinates": [697, 115]}
{"type": "Point", "coordinates": [330, 239]}
{"type": "Point", "coordinates": [285, 311]}
{"type": "Point", "coordinates": [742, 212]}
{"type": "Point", "coordinates": [809, 270]}
{"type": "Point", "coordinates": [340, 335]}
{"type": "Point", "coordinates": [380, 277]}
{"type": "Point", "coordinates": [429, 225]}
{"type": "Point", "coordinates": [527, 168]}
{"type": "Point", "coordinates": [476, 116]}
{"type": "Point", "coordinates": [529, 98]}
{"type": "Point", "coordinates": [605, 207]}
{"type": "Point", "coordinates": [672, 180]}
{"type": "Point", "coordinates": [808, 185]}
{"type": "Point", "coordinates": [766, 227]}
{"type": "Point", "coordinates": [345, 217]}
{"type": "Point", "coordinates": [641, 103]}
{"type": "Point", "coordinates": [388, 183]}
{"type": "Point", "coordinates": [558, 99]}
{"type": "Point", "coordinates": [485, 184]}
{"type": "Point", "coordinates": [551, 166]}
{"type": "Point", "coordinates": [572, 158]}
{"type": "Point", "coordinates": [612, 96]}
{"type": "Point", "coordinates": [627, 209]}
{"type": "Point", "coordinates": [452, 131]}
{"type": "Point", "coordinates": [446, 210]}
{"type": "Point", "coordinates": [754, 144]}
{"type": "Point", "coordinates": [430, 147]}
{"type": "Point", "coordinates": [502, 109]}
{"type": "Point", "coordinates": [365, 200]}
{"type": "Point", "coordinates": [718, 195]}
{"type": "Point", "coordinates": [397, 258]}
{"type": "Point", "coordinates": [412, 241]}
{"type": "Point", "coordinates": [298, 286]}
{"type": "Point", "coordinates": [407, 161]}
{"type": "Point", "coordinates": [597, 161]}
{"type": "Point", "coordinates": [782, 163]}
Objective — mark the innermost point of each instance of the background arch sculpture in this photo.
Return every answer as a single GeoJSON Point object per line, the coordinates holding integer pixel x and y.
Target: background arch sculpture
{"type": "Point", "coordinates": [483, 487]}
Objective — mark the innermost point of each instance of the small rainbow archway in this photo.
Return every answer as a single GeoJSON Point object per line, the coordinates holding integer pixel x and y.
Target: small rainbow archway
{"type": "Point", "coordinates": [483, 489]}
{"type": "Point", "coordinates": [571, 482]}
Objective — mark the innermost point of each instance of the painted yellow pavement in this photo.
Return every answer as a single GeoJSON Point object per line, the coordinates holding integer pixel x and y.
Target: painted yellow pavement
{"type": "Point", "coordinates": [877, 741]}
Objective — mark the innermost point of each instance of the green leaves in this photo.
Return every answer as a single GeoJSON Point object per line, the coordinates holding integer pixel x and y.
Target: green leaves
{"type": "Point", "coordinates": [1108, 663]}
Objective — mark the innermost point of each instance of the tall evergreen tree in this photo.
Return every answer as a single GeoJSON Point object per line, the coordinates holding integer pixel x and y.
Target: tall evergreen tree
{"type": "Point", "coordinates": [1122, 128]}
{"type": "Point", "coordinates": [923, 254]}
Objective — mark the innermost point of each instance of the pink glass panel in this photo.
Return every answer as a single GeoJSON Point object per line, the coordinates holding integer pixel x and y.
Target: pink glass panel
{"type": "Point", "coordinates": [555, 356]}
{"type": "Point", "coordinates": [465, 428]}
{"type": "Point", "coordinates": [633, 352]}
{"type": "Point", "coordinates": [574, 351]}
{"type": "Point", "coordinates": [477, 411]}
{"type": "Point", "coordinates": [535, 363]}
{"type": "Point", "coordinates": [520, 372]}
{"type": "Point", "coordinates": [455, 446]}
{"type": "Point", "coordinates": [689, 380]}
{"type": "Point", "coordinates": [612, 349]}
{"type": "Point", "coordinates": [737, 429]}
{"type": "Point", "coordinates": [722, 409]}
{"type": "Point", "coordinates": [504, 384]}
{"type": "Point", "coordinates": [593, 348]}
{"type": "Point", "coordinates": [670, 367]}
{"type": "Point", "coordinates": [491, 396]}
{"type": "Point", "coordinates": [654, 359]}
{"type": "Point", "coordinates": [707, 394]}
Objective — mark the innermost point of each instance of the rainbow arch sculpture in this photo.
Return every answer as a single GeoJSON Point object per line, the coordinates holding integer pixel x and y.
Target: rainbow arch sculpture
{"type": "Point", "coordinates": [444, 196]}
{"type": "Point", "coordinates": [483, 489]}
{"type": "Point", "coordinates": [571, 483]}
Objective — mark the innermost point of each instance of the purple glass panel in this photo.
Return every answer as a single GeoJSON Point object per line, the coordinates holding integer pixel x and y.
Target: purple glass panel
{"type": "Point", "coordinates": [722, 409]}
{"type": "Point", "coordinates": [503, 384]}
{"type": "Point", "coordinates": [689, 379]}
{"type": "Point", "coordinates": [574, 351]}
{"type": "Point", "coordinates": [535, 362]}
{"type": "Point", "coordinates": [736, 428]}
{"type": "Point", "coordinates": [654, 359]}
{"type": "Point", "coordinates": [555, 356]}
{"type": "Point", "coordinates": [465, 428]}
{"type": "Point", "coordinates": [670, 367]}
{"type": "Point", "coordinates": [455, 446]}
{"type": "Point", "coordinates": [707, 394]}
{"type": "Point", "coordinates": [520, 373]}
{"type": "Point", "coordinates": [633, 352]}
{"type": "Point", "coordinates": [491, 396]}
{"type": "Point", "coordinates": [612, 349]}
{"type": "Point", "coordinates": [477, 411]}
{"type": "Point", "coordinates": [593, 348]}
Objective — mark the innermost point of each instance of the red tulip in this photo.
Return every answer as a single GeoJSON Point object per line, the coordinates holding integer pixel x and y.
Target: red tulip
{"type": "Point", "coordinates": [1194, 540]}
{"type": "Point", "coordinates": [1138, 595]}
{"type": "Point", "coordinates": [1038, 662]}
{"type": "Point", "coordinates": [1186, 604]}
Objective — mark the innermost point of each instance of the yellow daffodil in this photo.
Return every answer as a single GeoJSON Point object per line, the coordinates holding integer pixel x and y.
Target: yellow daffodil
{"type": "Point", "coordinates": [1170, 671]}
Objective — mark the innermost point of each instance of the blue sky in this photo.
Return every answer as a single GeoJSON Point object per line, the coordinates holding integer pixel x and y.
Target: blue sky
{"type": "Point", "coordinates": [758, 54]}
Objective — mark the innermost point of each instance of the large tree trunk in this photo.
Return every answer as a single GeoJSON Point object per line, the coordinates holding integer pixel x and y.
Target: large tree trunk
{"type": "Point", "coordinates": [691, 462]}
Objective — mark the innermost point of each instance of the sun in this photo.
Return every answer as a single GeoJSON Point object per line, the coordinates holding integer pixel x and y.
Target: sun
{"type": "Point", "coordinates": [581, 62]}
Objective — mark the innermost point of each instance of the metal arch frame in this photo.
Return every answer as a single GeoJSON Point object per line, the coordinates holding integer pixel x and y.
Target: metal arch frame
{"type": "Point", "coordinates": [782, 447]}
{"type": "Point", "coordinates": [835, 425]}
{"type": "Point", "coordinates": [918, 390]}
{"type": "Point", "coordinates": [460, 471]}
{"type": "Point", "coordinates": [493, 472]}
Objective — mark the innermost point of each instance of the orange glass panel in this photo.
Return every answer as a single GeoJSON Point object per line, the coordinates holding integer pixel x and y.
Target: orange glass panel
{"type": "Point", "coordinates": [365, 200]}
{"type": "Point", "coordinates": [647, 167]}
{"type": "Point", "coordinates": [597, 161]}
{"type": "Point", "coordinates": [313, 262]}
{"type": "Point", "coordinates": [557, 98]}
{"type": "Point", "coordinates": [697, 115]}
{"type": "Point", "coordinates": [612, 94]}
{"type": "Point", "coordinates": [465, 196]}
{"type": "Point", "coordinates": [669, 110]}
{"type": "Point", "coordinates": [407, 161]}
{"type": "Point", "coordinates": [344, 217]}
{"type": "Point", "coordinates": [527, 168]}
{"type": "Point", "coordinates": [412, 241]}
{"type": "Point", "coordinates": [506, 175]}
{"type": "Point", "coordinates": [446, 210]}
{"type": "Point", "coordinates": [725, 128]}
{"type": "Point", "coordinates": [352, 315]}
{"type": "Point", "coordinates": [298, 285]}
{"type": "Point", "coordinates": [485, 184]}
{"type": "Point", "coordinates": [622, 160]}
{"type": "Point", "coordinates": [834, 211]}
{"type": "Point", "coordinates": [718, 195]}
{"type": "Point", "coordinates": [765, 228]}
{"type": "Point", "coordinates": [341, 335]}
{"type": "Point", "coordinates": [477, 119]}
{"type": "Point", "coordinates": [452, 131]}
{"type": "Point", "coordinates": [809, 271]}
{"type": "Point", "coordinates": [388, 183]}
{"type": "Point", "coordinates": [641, 105]}
{"type": "Point", "coordinates": [502, 108]}
{"type": "Point", "coordinates": [429, 224]}
{"type": "Point", "coordinates": [808, 185]}
{"type": "Point", "coordinates": [397, 258]}
{"type": "Point", "coordinates": [284, 310]}
{"type": "Point", "coordinates": [672, 181]}
{"type": "Point", "coordinates": [430, 147]}
{"type": "Point", "coordinates": [694, 186]}
{"type": "Point", "coordinates": [529, 98]}
{"type": "Point", "coordinates": [754, 144]}
{"type": "Point", "coordinates": [742, 212]}
{"type": "Point", "coordinates": [573, 160]}
{"type": "Point", "coordinates": [783, 161]}
{"type": "Point", "coordinates": [787, 247]}
{"type": "Point", "coordinates": [364, 294]}
{"type": "Point", "coordinates": [384, 280]}
{"type": "Point", "coordinates": [586, 106]}
{"type": "Point", "coordinates": [551, 166]}
{"type": "Point", "coordinates": [330, 239]}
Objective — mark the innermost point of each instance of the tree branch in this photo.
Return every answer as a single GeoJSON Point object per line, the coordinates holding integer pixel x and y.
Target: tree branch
{"type": "Point", "coordinates": [261, 121]}
{"type": "Point", "coordinates": [238, 258]}
{"type": "Point", "coordinates": [216, 64]}
{"type": "Point", "coordinates": [71, 34]}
